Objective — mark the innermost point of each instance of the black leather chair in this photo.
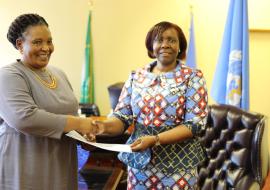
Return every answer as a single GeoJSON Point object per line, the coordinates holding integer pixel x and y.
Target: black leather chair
{"type": "Point", "coordinates": [89, 109]}
{"type": "Point", "coordinates": [236, 148]}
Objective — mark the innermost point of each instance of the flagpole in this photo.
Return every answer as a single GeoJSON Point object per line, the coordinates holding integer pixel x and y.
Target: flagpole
{"type": "Point", "coordinates": [191, 5]}
{"type": "Point", "coordinates": [92, 86]}
{"type": "Point", "coordinates": [90, 5]}
{"type": "Point", "coordinates": [87, 85]}
{"type": "Point", "coordinates": [191, 53]}
{"type": "Point", "coordinates": [191, 9]}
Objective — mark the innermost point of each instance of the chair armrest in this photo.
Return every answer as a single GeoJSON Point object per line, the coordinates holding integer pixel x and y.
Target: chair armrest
{"type": "Point", "coordinates": [260, 151]}
{"type": "Point", "coordinates": [247, 183]}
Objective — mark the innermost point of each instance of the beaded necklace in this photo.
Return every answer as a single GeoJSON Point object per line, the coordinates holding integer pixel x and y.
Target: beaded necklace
{"type": "Point", "coordinates": [51, 85]}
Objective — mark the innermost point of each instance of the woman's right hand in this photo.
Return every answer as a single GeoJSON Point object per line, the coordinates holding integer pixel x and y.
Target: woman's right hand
{"type": "Point", "coordinates": [87, 126]}
{"type": "Point", "coordinates": [84, 126]}
{"type": "Point", "coordinates": [110, 126]}
{"type": "Point", "coordinates": [100, 127]}
{"type": "Point", "coordinates": [90, 128]}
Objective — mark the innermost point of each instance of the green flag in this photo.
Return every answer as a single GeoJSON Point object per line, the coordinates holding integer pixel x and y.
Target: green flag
{"type": "Point", "coordinates": [87, 84]}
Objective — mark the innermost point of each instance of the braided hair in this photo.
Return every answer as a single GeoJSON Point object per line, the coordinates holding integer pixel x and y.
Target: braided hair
{"type": "Point", "coordinates": [21, 23]}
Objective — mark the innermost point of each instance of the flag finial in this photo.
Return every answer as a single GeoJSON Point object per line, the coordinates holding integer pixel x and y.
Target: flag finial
{"type": "Point", "coordinates": [191, 8]}
{"type": "Point", "coordinates": [191, 53]}
{"type": "Point", "coordinates": [90, 4]}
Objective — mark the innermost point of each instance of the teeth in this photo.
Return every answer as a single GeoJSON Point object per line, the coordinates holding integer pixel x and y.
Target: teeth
{"type": "Point", "coordinates": [43, 56]}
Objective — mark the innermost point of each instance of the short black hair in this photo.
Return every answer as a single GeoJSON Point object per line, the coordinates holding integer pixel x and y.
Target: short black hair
{"type": "Point", "coordinates": [21, 23]}
{"type": "Point", "coordinates": [157, 30]}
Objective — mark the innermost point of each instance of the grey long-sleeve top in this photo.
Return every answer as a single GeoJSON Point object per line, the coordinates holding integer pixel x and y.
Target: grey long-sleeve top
{"type": "Point", "coordinates": [34, 153]}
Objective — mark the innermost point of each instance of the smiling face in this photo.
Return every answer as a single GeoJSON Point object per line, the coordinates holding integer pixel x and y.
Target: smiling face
{"type": "Point", "coordinates": [36, 46]}
{"type": "Point", "coordinates": [166, 47]}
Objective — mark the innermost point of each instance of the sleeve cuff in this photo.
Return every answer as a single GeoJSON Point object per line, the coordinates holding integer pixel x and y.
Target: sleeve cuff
{"type": "Point", "coordinates": [123, 119]}
{"type": "Point", "coordinates": [194, 128]}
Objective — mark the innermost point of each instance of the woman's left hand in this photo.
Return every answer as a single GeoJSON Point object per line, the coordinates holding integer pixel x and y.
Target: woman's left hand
{"type": "Point", "coordinates": [143, 143]}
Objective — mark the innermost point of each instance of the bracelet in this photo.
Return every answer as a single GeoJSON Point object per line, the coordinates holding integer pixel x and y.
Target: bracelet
{"type": "Point", "coordinates": [157, 142]}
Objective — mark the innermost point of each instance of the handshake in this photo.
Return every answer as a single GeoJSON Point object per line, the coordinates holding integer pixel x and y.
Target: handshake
{"type": "Point", "coordinates": [91, 128]}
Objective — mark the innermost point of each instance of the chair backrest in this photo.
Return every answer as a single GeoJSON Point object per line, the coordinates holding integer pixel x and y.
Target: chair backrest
{"type": "Point", "coordinates": [114, 93]}
{"type": "Point", "coordinates": [237, 150]}
{"type": "Point", "coordinates": [89, 109]}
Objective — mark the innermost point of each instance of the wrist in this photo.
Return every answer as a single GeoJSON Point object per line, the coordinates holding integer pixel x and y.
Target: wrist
{"type": "Point", "coordinates": [84, 125]}
{"type": "Point", "coordinates": [71, 124]}
{"type": "Point", "coordinates": [156, 141]}
{"type": "Point", "coordinates": [105, 127]}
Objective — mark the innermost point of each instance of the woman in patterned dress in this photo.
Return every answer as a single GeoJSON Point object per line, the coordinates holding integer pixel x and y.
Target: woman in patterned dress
{"type": "Point", "coordinates": [167, 103]}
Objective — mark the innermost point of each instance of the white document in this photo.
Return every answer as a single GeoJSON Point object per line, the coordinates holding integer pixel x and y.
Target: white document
{"type": "Point", "coordinates": [112, 147]}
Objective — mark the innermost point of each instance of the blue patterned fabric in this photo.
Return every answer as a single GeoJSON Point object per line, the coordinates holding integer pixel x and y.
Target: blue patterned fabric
{"type": "Point", "coordinates": [156, 180]}
{"type": "Point", "coordinates": [156, 103]}
{"type": "Point", "coordinates": [168, 158]}
{"type": "Point", "coordinates": [137, 160]}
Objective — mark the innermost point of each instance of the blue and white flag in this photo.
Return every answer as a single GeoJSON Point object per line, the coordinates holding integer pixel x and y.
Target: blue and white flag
{"type": "Point", "coordinates": [191, 54]}
{"type": "Point", "coordinates": [231, 79]}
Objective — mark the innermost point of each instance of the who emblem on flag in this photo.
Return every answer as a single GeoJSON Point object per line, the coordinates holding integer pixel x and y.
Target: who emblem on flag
{"type": "Point", "coordinates": [231, 79]}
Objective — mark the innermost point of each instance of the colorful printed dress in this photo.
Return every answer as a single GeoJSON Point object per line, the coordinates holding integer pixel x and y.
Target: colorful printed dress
{"type": "Point", "coordinates": [156, 103]}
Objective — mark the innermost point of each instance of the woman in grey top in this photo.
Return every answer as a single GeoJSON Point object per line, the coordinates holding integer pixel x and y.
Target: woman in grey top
{"type": "Point", "coordinates": [37, 106]}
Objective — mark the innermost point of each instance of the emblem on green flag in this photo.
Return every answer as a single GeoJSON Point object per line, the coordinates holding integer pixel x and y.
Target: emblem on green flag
{"type": "Point", "coordinates": [87, 84]}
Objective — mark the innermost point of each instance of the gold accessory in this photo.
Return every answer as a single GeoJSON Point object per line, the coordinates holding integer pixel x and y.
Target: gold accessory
{"type": "Point", "coordinates": [139, 140]}
{"type": "Point", "coordinates": [51, 85]}
{"type": "Point", "coordinates": [157, 142]}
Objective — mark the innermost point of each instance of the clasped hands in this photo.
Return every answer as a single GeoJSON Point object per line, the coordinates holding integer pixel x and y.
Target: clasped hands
{"type": "Point", "coordinates": [90, 129]}
{"type": "Point", "coordinates": [95, 127]}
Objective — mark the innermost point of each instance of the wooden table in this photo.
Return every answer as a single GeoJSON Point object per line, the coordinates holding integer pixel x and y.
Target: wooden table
{"type": "Point", "coordinates": [99, 177]}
